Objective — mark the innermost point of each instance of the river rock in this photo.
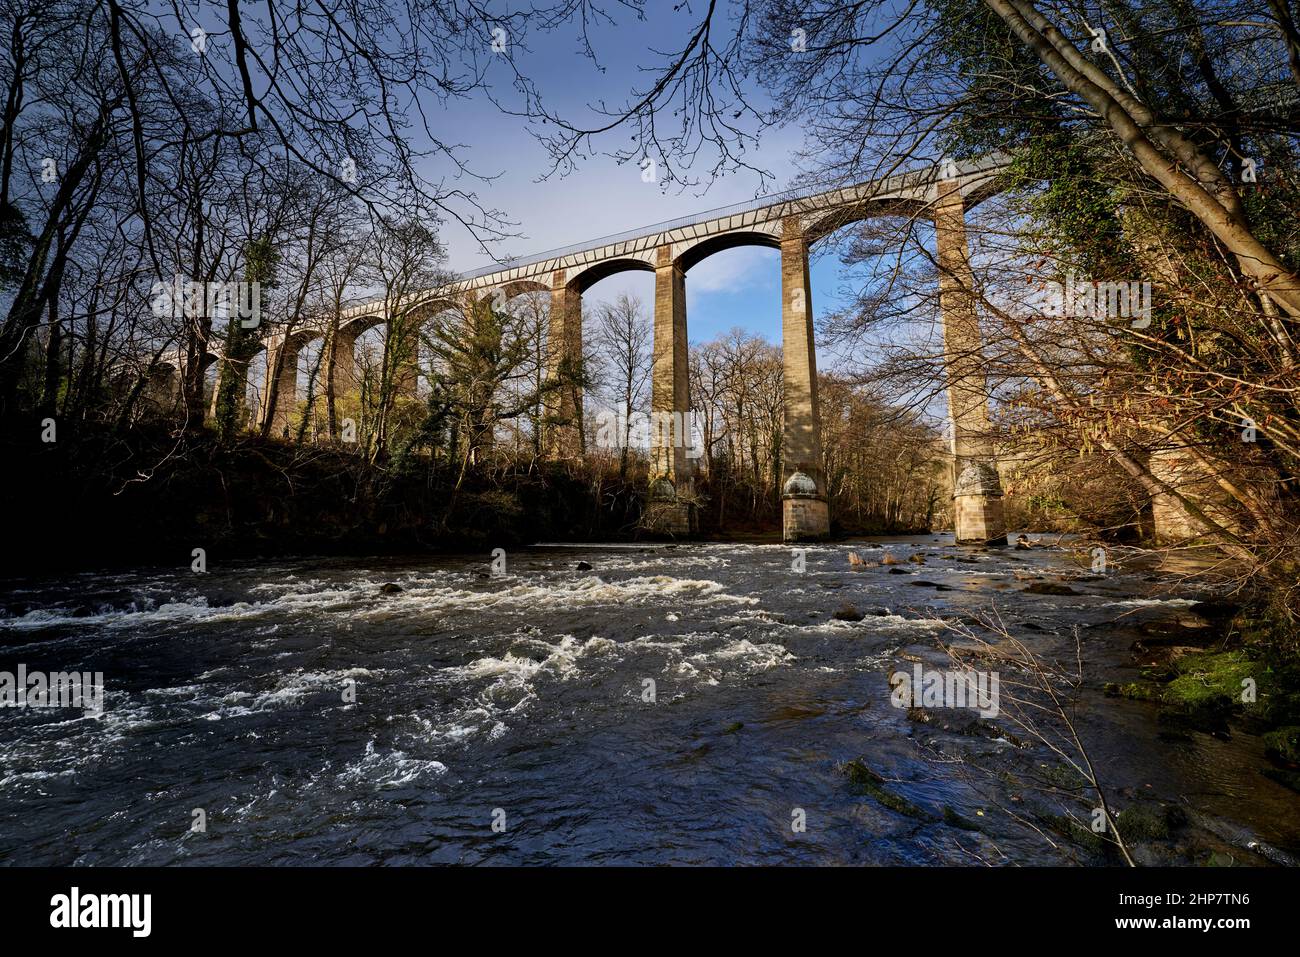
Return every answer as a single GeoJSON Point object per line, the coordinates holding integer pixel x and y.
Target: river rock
{"type": "Point", "coordinates": [846, 612]}
{"type": "Point", "coordinates": [1215, 609]}
{"type": "Point", "coordinates": [1182, 630]}
{"type": "Point", "coordinates": [584, 566]}
{"type": "Point", "coordinates": [1049, 588]}
{"type": "Point", "coordinates": [390, 588]}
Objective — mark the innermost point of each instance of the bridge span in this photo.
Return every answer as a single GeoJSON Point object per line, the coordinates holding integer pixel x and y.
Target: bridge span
{"type": "Point", "coordinates": [789, 222]}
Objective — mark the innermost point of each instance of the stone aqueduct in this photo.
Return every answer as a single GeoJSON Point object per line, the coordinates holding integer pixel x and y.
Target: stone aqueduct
{"type": "Point", "coordinates": [789, 223]}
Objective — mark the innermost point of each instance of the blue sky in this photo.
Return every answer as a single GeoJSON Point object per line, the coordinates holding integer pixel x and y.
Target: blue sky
{"type": "Point", "coordinates": [739, 287]}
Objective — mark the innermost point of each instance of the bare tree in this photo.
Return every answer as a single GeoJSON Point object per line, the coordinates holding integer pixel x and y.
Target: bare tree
{"type": "Point", "coordinates": [624, 337]}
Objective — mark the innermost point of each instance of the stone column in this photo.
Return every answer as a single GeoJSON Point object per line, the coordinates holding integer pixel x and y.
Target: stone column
{"type": "Point", "coordinates": [564, 356]}
{"type": "Point", "coordinates": [1178, 468]}
{"type": "Point", "coordinates": [215, 398]}
{"type": "Point", "coordinates": [347, 380]}
{"type": "Point", "coordinates": [1170, 523]}
{"type": "Point", "coordinates": [164, 388]}
{"type": "Point", "coordinates": [977, 489]}
{"type": "Point", "coordinates": [282, 352]}
{"type": "Point", "coordinates": [478, 307]}
{"type": "Point", "coordinates": [805, 515]}
{"type": "Point", "coordinates": [670, 505]}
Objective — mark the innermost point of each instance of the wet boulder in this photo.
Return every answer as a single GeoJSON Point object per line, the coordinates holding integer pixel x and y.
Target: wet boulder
{"type": "Point", "coordinates": [1049, 588]}
{"type": "Point", "coordinates": [847, 612]}
{"type": "Point", "coordinates": [1182, 630]}
{"type": "Point", "coordinates": [1215, 609]}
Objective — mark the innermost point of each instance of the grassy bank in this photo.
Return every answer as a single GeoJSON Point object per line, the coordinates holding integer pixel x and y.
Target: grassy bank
{"type": "Point", "coordinates": [1241, 668]}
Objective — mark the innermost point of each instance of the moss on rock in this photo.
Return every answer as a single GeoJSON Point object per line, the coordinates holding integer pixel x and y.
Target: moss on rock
{"type": "Point", "coordinates": [1212, 680]}
{"type": "Point", "coordinates": [953, 819]}
{"type": "Point", "coordinates": [1283, 744]}
{"type": "Point", "coordinates": [1134, 690]}
{"type": "Point", "coordinates": [1145, 822]}
{"type": "Point", "coordinates": [1070, 829]}
{"type": "Point", "coordinates": [865, 781]}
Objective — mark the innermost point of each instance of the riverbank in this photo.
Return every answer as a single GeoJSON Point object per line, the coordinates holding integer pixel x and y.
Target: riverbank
{"type": "Point", "coordinates": [103, 499]}
{"type": "Point", "coordinates": [1223, 667]}
{"type": "Point", "coordinates": [106, 500]}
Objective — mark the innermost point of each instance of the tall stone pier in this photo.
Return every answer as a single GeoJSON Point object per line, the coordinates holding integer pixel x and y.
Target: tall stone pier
{"type": "Point", "coordinates": [805, 515]}
{"type": "Point", "coordinates": [341, 364]}
{"type": "Point", "coordinates": [670, 506]}
{"type": "Point", "coordinates": [280, 403]}
{"type": "Point", "coordinates": [564, 351]}
{"type": "Point", "coordinates": [347, 377]}
{"type": "Point", "coordinates": [977, 489]}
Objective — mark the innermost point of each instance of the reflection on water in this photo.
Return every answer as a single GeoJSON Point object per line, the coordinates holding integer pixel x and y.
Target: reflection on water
{"type": "Point", "coordinates": [527, 693]}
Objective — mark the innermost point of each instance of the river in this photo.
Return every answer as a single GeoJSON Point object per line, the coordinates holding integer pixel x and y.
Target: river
{"type": "Point", "coordinates": [304, 716]}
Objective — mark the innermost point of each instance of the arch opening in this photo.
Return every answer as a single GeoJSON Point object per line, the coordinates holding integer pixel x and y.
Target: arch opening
{"type": "Point", "coordinates": [603, 270]}
{"type": "Point", "coordinates": [702, 250]}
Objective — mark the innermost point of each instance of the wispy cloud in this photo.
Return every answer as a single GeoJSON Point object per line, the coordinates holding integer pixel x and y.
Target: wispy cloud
{"type": "Point", "coordinates": [734, 270]}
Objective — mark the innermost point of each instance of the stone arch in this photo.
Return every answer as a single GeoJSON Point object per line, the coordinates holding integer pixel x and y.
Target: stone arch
{"type": "Point", "coordinates": [588, 277]}
{"type": "Point", "coordinates": [426, 361]}
{"type": "Point", "coordinates": [439, 302]}
{"type": "Point", "coordinates": [688, 255]}
{"type": "Point", "coordinates": [356, 325]}
{"type": "Point", "coordinates": [516, 287]}
{"type": "Point", "coordinates": [565, 349]}
{"type": "Point", "coordinates": [352, 327]}
{"type": "Point", "coordinates": [818, 226]}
